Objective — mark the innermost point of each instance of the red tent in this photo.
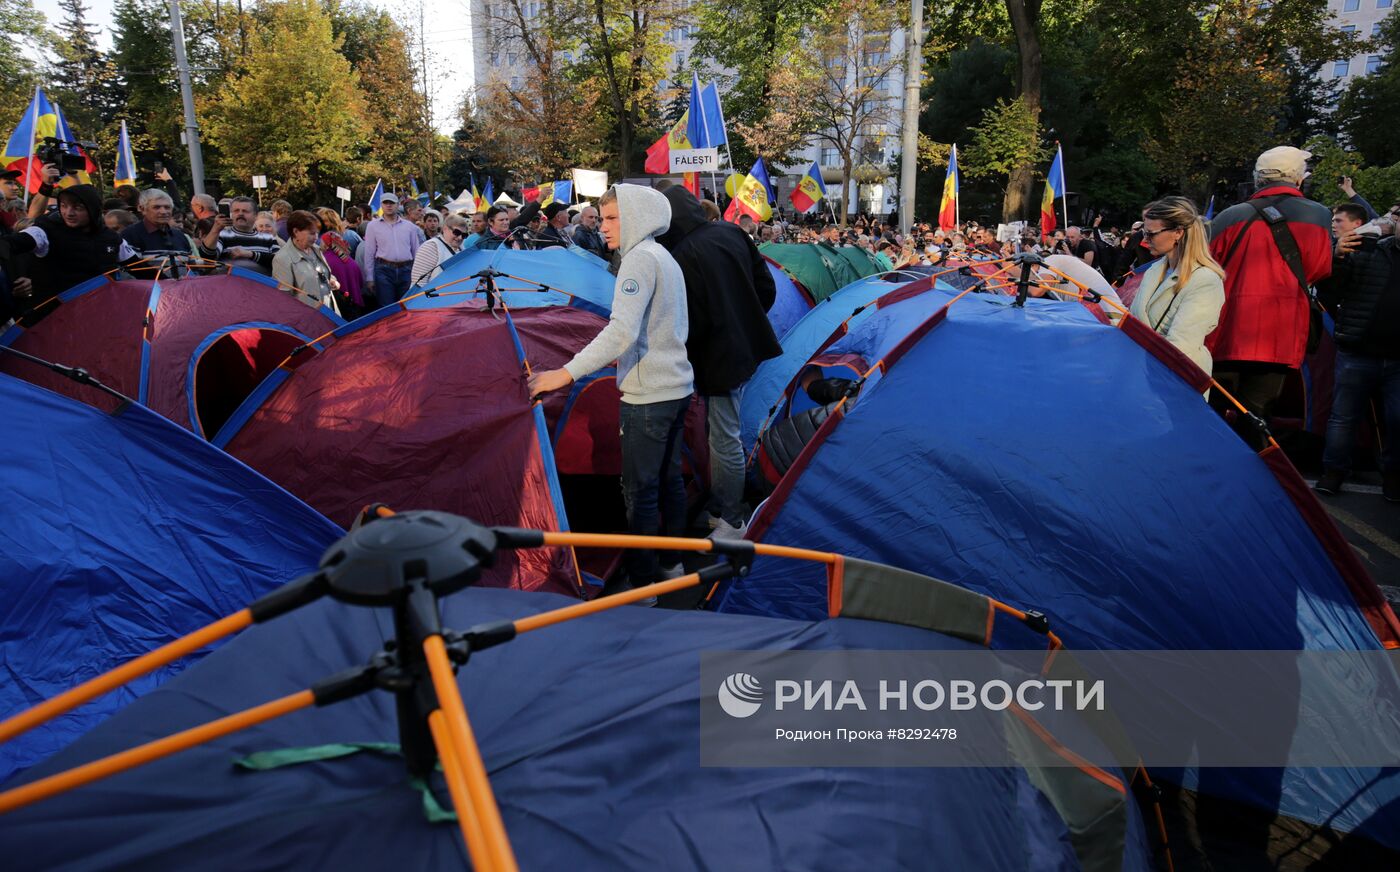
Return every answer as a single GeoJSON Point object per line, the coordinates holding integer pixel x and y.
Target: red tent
{"type": "Point", "coordinates": [191, 349]}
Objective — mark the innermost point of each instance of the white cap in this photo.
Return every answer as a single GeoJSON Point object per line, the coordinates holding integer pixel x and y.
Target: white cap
{"type": "Point", "coordinates": [1283, 163]}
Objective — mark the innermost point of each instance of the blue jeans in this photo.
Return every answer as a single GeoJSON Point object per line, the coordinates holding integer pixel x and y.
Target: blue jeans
{"type": "Point", "coordinates": [1358, 377]}
{"type": "Point", "coordinates": [652, 488]}
{"type": "Point", "coordinates": [391, 282]}
{"type": "Point", "coordinates": [726, 458]}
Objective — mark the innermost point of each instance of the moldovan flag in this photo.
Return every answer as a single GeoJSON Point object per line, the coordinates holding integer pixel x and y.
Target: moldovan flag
{"type": "Point", "coordinates": [659, 155]}
{"type": "Point", "coordinates": [126, 164]}
{"type": "Point", "coordinates": [948, 206]}
{"type": "Point", "coordinates": [487, 197]}
{"type": "Point", "coordinates": [1054, 188]}
{"type": "Point", "coordinates": [376, 199]}
{"type": "Point", "coordinates": [40, 119]}
{"type": "Point", "coordinates": [752, 198]}
{"type": "Point", "coordinates": [809, 190]}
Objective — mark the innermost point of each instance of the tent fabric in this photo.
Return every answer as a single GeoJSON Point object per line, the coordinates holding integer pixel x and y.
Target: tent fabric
{"type": "Point", "coordinates": [102, 327]}
{"type": "Point", "coordinates": [790, 302]}
{"type": "Point", "coordinates": [592, 758]}
{"type": "Point", "coordinates": [574, 276]}
{"type": "Point", "coordinates": [1049, 461]}
{"type": "Point", "coordinates": [425, 409]}
{"type": "Point", "coordinates": [123, 532]}
{"type": "Point", "coordinates": [801, 341]}
{"type": "Point", "coordinates": [821, 269]}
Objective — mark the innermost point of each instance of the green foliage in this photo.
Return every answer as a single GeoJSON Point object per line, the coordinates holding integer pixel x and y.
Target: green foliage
{"type": "Point", "coordinates": [1378, 184]}
{"type": "Point", "coordinates": [296, 115]}
{"type": "Point", "coordinates": [1008, 136]}
{"type": "Point", "coordinates": [24, 28]}
{"type": "Point", "coordinates": [1372, 102]}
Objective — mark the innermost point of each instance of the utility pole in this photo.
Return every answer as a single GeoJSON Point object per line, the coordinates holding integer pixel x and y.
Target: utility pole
{"type": "Point", "coordinates": [913, 72]}
{"type": "Point", "coordinates": [182, 65]}
{"type": "Point", "coordinates": [431, 135]}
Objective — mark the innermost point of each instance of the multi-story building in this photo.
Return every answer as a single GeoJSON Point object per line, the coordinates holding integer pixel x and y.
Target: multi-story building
{"type": "Point", "coordinates": [1361, 17]}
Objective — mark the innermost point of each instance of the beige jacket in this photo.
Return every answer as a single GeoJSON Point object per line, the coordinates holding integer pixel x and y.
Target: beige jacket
{"type": "Point", "coordinates": [298, 269]}
{"type": "Point", "coordinates": [1185, 316]}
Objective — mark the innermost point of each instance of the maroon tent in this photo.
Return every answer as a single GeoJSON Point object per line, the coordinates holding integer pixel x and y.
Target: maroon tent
{"type": "Point", "coordinates": [428, 409]}
{"type": "Point", "coordinates": [191, 349]}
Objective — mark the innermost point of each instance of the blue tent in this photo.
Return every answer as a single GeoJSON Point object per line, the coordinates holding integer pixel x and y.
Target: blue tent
{"type": "Point", "coordinates": [593, 758]}
{"type": "Point", "coordinates": [1044, 458]}
{"type": "Point", "coordinates": [574, 277]}
{"type": "Point", "coordinates": [790, 302]}
{"type": "Point", "coordinates": [122, 532]}
{"type": "Point", "coordinates": [765, 388]}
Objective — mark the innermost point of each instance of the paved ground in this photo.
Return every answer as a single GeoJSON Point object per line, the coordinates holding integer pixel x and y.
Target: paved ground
{"type": "Point", "coordinates": [1372, 526]}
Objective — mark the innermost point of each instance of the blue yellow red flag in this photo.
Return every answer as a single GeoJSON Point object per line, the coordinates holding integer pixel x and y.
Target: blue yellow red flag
{"type": "Point", "coordinates": [948, 205]}
{"type": "Point", "coordinates": [810, 189]}
{"type": "Point", "coordinates": [126, 163]}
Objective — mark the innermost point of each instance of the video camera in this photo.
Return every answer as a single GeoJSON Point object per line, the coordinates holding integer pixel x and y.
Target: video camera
{"type": "Point", "coordinates": [55, 151]}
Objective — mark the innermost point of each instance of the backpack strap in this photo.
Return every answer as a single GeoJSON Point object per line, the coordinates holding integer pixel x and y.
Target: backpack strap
{"type": "Point", "coordinates": [1283, 238]}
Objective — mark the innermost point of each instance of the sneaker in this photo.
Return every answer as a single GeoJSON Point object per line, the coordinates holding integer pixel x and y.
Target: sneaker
{"type": "Point", "coordinates": [726, 530]}
{"type": "Point", "coordinates": [1331, 482]}
{"type": "Point", "coordinates": [1390, 485]}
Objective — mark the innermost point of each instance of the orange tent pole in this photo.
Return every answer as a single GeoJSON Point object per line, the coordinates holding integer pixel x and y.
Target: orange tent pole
{"type": "Point", "coordinates": [457, 786]}
{"type": "Point", "coordinates": [468, 756]}
{"type": "Point", "coordinates": [152, 751]}
{"type": "Point", "coordinates": [668, 543]}
{"type": "Point", "coordinates": [149, 662]}
{"type": "Point", "coordinates": [602, 604]}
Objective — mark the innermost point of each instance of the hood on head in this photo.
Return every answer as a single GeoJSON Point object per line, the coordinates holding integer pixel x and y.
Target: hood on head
{"type": "Point", "coordinates": [641, 212]}
{"type": "Point", "coordinates": [90, 198]}
{"type": "Point", "coordinates": [686, 215]}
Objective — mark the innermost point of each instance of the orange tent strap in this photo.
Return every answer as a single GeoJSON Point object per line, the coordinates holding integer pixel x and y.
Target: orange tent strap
{"type": "Point", "coordinates": [152, 751]}
{"type": "Point", "coordinates": [468, 757]}
{"type": "Point", "coordinates": [457, 786]}
{"type": "Point", "coordinates": [108, 681]}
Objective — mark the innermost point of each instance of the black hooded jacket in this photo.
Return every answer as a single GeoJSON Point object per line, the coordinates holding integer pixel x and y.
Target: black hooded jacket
{"type": "Point", "coordinates": [74, 255]}
{"type": "Point", "coordinates": [728, 291]}
{"type": "Point", "coordinates": [1364, 296]}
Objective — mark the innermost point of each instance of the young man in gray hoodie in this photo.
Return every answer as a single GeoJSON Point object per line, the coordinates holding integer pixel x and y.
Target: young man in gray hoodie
{"type": "Point", "coordinates": [646, 336]}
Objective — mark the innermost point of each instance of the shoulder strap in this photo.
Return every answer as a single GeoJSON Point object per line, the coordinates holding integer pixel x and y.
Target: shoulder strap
{"type": "Point", "coordinates": [1287, 245]}
{"type": "Point", "coordinates": [1239, 237]}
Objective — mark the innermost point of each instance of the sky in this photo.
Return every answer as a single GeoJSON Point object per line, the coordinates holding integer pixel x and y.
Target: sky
{"type": "Point", "coordinates": [448, 44]}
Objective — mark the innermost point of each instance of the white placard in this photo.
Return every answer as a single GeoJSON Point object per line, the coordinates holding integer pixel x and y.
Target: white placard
{"type": "Point", "coordinates": [590, 183]}
{"type": "Point", "coordinates": [259, 182]}
{"type": "Point", "coordinates": [342, 193]}
{"type": "Point", "coordinates": [694, 160]}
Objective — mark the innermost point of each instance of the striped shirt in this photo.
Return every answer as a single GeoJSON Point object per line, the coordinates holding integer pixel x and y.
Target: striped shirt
{"type": "Point", "coordinates": [264, 246]}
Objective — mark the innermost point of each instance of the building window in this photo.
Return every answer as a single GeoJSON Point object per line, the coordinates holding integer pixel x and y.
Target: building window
{"type": "Point", "coordinates": [830, 157]}
{"type": "Point", "coordinates": [515, 83]}
{"type": "Point", "coordinates": [680, 60]}
{"type": "Point", "coordinates": [1373, 63]}
{"type": "Point", "coordinates": [1383, 4]}
{"type": "Point", "coordinates": [495, 59]}
{"type": "Point", "coordinates": [1375, 30]}
{"type": "Point", "coordinates": [1341, 69]}
{"type": "Point", "coordinates": [1351, 5]}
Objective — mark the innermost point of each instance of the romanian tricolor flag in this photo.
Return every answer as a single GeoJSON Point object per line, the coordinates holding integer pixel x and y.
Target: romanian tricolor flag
{"type": "Point", "coordinates": [376, 199]}
{"type": "Point", "coordinates": [41, 119]}
{"type": "Point", "coordinates": [1054, 189]}
{"type": "Point", "coordinates": [126, 164]}
{"type": "Point", "coordinates": [752, 199]}
{"type": "Point", "coordinates": [948, 206]}
{"type": "Point", "coordinates": [659, 155]}
{"type": "Point", "coordinates": [488, 196]}
{"type": "Point", "coordinates": [810, 189]}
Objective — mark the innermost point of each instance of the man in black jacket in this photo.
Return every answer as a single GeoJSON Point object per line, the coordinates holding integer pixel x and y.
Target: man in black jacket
{"type": "Point", "coordinates": [728, 292]}
{"type": "Point", "coordinates": [1364, 296]}
{"type": "Point", "coordinates": [70, 245]}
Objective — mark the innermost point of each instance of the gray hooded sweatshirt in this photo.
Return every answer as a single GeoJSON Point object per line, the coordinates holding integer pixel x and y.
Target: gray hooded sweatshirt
{"type": "Point", "coordinates": [647, 331]}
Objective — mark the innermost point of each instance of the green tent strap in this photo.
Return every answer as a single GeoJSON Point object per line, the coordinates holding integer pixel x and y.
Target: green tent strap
{"type": "Point", "coordinates": [262, 761]}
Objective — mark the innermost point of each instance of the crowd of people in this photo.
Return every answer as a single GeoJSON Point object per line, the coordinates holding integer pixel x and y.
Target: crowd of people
{"type": "Point", "coordinates": [1244, 297]}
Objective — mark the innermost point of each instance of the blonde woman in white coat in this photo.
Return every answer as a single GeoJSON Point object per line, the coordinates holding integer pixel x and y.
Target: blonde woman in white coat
{"type": "Point", "coordinates": [1182, 293]}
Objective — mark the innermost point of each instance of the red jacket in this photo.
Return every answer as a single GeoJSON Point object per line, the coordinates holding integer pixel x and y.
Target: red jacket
{"type": "Point", "coordinates": [1266, 315]}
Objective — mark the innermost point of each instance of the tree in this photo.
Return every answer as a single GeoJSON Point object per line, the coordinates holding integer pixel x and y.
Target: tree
{"type": "Point", "coordinates": [847, 62]}
{"type": "Point", "coordinates": [26, 28]}
{"type": "Point", "coordinates": [83, 81]}
{"type": "Point", "coordinates": [1025, 22]}
{"type": "Point", "coordinates": [1007, 138]}
{"type": "Point", "coordinates": [296, 114]}
{"type": "Point", "coordinates": [625, 44]}
{"type": "Point", "coordinates": [1374, 97]}
{"type": "Point", "coordinates": [751, 38]}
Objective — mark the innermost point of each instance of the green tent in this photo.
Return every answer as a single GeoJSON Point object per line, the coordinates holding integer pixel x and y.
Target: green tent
{"type": "Point", "coordinates": [821, 269]}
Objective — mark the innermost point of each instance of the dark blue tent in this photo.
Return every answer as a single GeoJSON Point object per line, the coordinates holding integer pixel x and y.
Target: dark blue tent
{"type": "Point", "coordinates": [1049, 460]}
{"type": "Point", "coordinates": [122, 532]}
{"type": "Point", "coordinates": [590, 733]}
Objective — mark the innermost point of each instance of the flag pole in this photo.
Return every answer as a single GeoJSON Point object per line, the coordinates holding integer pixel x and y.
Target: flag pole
{"type": "Point", "coordinates": [33, 132]}
{"type": "Point", "coordinates": [1064, 185]}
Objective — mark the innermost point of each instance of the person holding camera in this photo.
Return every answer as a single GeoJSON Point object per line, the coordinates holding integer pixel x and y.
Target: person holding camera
{"type": "Point", "coordinates": [1364, 297]}
{"type": "Point", "coordinates": [70, 245]}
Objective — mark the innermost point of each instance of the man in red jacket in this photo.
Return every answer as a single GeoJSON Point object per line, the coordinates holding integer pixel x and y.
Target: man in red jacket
{"type": "Point", "coordinates": [1263, 330]}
